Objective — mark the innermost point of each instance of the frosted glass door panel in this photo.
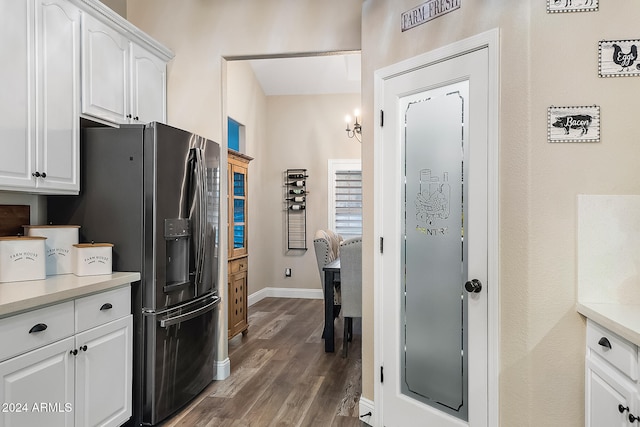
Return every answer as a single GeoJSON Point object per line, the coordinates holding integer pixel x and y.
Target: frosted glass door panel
{"type": "Point", "coordinates": [433, 300]}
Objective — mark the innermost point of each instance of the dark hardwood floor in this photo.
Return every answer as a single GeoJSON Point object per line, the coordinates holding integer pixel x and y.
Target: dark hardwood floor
{"type": "Point", "coordinates": [280, 374]}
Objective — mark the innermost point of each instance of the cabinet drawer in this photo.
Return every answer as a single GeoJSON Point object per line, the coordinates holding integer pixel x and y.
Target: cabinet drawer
{"type": "Point", "coordinates": [47, 325]}
{"type": "Point", "coordinates": [622, 354]}
{"type": "Point", "coordinates": [237, 265]}
{"type": "Point", "coordinates": [102, 308]}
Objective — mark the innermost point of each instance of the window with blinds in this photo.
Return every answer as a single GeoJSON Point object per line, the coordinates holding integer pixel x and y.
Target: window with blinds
{"type": "Point", "coordinates": [345, 192]}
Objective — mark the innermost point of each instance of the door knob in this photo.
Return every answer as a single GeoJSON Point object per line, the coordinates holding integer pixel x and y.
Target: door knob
{"type": "Point", "coordinates": [473, 286]}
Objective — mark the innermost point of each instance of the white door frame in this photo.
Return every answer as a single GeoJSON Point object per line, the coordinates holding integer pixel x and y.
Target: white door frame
{"type": "Point", "coordinates": [490, 40]}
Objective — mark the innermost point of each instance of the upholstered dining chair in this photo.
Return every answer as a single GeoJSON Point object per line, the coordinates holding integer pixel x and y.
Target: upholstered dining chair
{"type": "Point", "coordinates": [326, 244]}
{"type": "Point", "coordinates": [350, 285]}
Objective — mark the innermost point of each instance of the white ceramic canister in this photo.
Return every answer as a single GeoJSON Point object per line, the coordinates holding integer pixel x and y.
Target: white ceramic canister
{"type": "Point", "coordinates": [22, 258]}
{"type": "Point", "coordinates": [58, 246]}
{"type": "Point", "coordinates": [91, 259]}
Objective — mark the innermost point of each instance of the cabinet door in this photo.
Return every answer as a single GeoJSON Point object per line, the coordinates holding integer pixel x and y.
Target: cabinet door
{"type": "Point", "coordinates": [105, 66]}
{"type": "Point", "coordinates": [17, 112]}
{"type": "Point", "coordinates": [58, 36]}
{"type": "Point", "coordinates": [607, 392]}
{"type": "Point", "coordinates": [148, 86]}
{"type": "Point", "coordinates": [103, 374]}
{"type": "Point", "coordinates": [37, 387]}
{"type": "Point", "coordinates": [237, 303]}
{"type": "Point", "coordinates": [237, 208]}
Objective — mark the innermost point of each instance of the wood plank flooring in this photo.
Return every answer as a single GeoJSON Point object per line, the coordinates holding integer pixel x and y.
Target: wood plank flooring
{"type": "Point", "coordinates": [280, 374]}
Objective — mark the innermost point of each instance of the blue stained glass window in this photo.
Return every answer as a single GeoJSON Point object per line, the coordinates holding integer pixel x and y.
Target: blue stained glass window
{"type": "Point", "coordinates": [238, 184]}
{"type": "Point", "coordinates": [233, 134]}
{"type": "Point", "coordinates": [238, 236]}
{"type": "Point", "coordinates": [238, 210]}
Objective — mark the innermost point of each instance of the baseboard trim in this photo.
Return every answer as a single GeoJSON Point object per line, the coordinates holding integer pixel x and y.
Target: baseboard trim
{"type": "Point", "coordinates": [366, 406]}
{"type": "Point", "coordinates": [223, 369]}
{"type": "Point", "coordinates": [284, 293]}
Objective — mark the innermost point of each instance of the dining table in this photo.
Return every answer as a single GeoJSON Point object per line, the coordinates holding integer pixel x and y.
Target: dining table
{"type": "Point", "coordinates": [331, 276]}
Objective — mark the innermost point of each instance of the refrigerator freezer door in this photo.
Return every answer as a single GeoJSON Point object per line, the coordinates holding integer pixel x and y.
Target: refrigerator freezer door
{"type": "Point", "coordinates": [179, 361]}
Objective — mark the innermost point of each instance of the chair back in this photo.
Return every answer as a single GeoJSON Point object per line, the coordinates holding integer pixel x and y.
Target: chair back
{"type": "Point", "coordinates": [351, 277]}
{"type": "Point", "coordinates": [326, 244]}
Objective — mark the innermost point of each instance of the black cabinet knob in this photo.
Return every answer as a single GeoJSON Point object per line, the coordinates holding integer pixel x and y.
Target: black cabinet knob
{"type": "Point", "coordinates": [605, 342]}
{"type": "Point", "coordinates": [623, 408]}
{"type": "Point", "coordinates": [38, 328]}
{"type": "Point", "coordinates": [43, 174]}
{"type": "Point", "coordinates": [473, 286]}
{"type": "Point", "coordinates": [136, 118]}
{"type": "Point", "coordinates": [128, 116]}
{"type": "Point", "coordinates": [633, 418]}
{"type": "Point", "coordinates": [106, 306]}
{"type": "Point", "coordinates": [36, 174]}
{"type": "Point", "coordinates": [83, 348]}
{"type": "Point", "coordinates": [74, 352]}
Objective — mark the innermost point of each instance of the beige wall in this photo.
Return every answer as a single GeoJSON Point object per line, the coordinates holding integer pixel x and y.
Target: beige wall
{"type": "Point", "coordinates": [286, 132]}
{"type": "Point", "coordinates": [118, 6]}
{"type": "Point", "coordinates": [546, 59]}
{"type": "Point", "coordinates": [304, 132]}
{"type": "Point", "coordinates": [201, 33]}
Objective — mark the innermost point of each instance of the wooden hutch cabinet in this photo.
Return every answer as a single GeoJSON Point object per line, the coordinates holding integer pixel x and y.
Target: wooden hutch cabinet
{"type": "Point", "coordinates": [237, 166]}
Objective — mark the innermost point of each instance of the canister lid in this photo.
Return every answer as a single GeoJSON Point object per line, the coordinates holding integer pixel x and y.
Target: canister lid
{"type": "Point", "coordinates": [92, 245]}
{"type": "Point", "coordinates": [51, 226]}
{"type": "Point", "coordinates": [22, 238]}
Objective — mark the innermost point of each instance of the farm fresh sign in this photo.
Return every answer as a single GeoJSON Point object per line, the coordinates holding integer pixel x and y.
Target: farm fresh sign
{"type": "Point", "coordinates": [426, 12]}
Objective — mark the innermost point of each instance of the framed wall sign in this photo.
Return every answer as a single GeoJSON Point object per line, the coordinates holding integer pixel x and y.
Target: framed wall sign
{"type": "Point", "coordinates": [618, 58]}
{"type": "Point", "coordinates": [573, 124]}
{"type": "Point", "coordinates": [557, 6]}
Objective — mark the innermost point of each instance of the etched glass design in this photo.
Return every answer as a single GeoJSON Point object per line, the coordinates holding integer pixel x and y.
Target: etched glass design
{"type": "Point", "coordinates": [434, 368]}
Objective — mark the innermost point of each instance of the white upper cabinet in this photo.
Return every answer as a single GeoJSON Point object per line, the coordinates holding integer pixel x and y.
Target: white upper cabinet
{"type": "Point", "coordinates": [148, 86]}
{"type": "Point", "coordinates": [17, 85]}
{"type": "Point", "coordinates": [63, 59]}
{"type": "Point", "coordinates": [40, 82]}
{"type": "Point", "coordinates": [105, 67]}
{"type": "Point", "coordinates": [124, 80]}
{"type": "Point", "coordinates": [58, 29]}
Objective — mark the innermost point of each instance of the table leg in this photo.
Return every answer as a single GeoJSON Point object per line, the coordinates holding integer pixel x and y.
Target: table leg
{"type": "Point", "coordinates": [328, 312]}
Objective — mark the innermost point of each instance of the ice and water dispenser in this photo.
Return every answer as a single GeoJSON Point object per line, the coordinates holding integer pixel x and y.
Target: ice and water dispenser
{"type": "Point", "coordinates": [177, 236]}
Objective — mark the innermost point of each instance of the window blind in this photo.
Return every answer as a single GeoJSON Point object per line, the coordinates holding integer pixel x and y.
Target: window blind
{"type": "Point", "coordinates": [348, 203]}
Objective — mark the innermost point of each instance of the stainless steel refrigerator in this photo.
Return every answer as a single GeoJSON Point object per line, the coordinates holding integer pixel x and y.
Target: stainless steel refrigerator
{"type": "Point", "coordinates": [154, 192]}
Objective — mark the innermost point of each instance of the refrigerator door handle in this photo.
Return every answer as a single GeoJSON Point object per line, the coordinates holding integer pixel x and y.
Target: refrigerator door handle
{"type": "Point", "coordinates": [172, 320]}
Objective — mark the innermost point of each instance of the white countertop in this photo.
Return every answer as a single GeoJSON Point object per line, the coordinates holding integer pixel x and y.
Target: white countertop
{"type": "Point", "coordinates": [20, 296]}
{"type": "Point", "coordinates": [622, 319]}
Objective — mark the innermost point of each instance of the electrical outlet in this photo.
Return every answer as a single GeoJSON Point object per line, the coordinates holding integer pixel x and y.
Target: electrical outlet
{"type": "Point", "coordinates": [287, 272]}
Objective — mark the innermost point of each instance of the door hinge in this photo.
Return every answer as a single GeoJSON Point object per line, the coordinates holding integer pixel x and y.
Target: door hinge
{"type": "Point", "coordinates": [382, 374]}
{"type": "Point", "coordinates": [381, 118]}
{"type": "Point", "coordinates": [381, 244]}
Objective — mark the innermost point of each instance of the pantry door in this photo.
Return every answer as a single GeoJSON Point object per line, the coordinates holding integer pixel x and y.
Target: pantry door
{"type": "Point", "coordinates": [433, 278]}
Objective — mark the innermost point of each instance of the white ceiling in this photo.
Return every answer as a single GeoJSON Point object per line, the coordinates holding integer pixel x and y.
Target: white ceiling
{"type": "Point", "coordinates": [309, 75]}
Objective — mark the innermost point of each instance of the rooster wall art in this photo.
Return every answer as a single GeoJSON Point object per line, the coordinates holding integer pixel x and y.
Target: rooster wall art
{"type": "Point", "coordinates": [619, 58]}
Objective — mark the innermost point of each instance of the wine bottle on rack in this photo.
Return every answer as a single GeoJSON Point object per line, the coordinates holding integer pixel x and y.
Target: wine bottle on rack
{"type": "Point", "coordinates": [296, 183]}
{"type": "Point", "coordinates": [297, 176]}
{"type": "Point", "coordinates": [296, 191]}
{"type": "Point", "coordinates": [296, 207]}
{"type": "Point", "coordinates": [298, 199]}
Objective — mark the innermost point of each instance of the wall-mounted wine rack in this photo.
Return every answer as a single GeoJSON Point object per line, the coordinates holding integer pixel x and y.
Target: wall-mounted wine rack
{"type": "Point", "coordinates": [295, 190]}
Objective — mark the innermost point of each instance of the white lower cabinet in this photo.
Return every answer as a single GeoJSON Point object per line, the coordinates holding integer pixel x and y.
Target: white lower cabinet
{"type": "Point", "coordinates": [103, 374]}
{"type": "Point", "coordinates": [82, 380]}
{"type": "Point", "coordinates": [38, 387]}
{"type": "Point", "coordinates": [612, 392]}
